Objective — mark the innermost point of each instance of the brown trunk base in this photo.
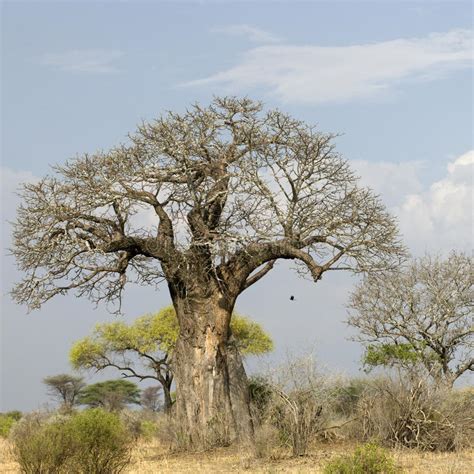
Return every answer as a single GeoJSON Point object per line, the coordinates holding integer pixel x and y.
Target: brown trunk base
{"type": "Point", "coordinates": [212, 404]}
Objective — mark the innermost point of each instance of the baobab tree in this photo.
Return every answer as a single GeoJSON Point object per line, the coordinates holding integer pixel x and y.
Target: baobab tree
{"type": "Point", "coordinates": [207, 201]}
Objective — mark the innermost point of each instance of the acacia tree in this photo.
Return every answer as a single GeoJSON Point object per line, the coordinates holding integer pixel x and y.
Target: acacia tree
{"type": "Point", "coordinates": [151, 339]}
{"type": "Point", "coordinates": [65, 388]}
{"type": "Point", "coordinates": [419, 314]}
{"type": "Point", "coordinates": [112, 395]}
{"type": "Point", "coordinates": [229, 190]}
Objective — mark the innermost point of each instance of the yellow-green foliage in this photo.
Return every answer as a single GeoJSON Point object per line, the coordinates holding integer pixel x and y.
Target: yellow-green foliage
{"type": "Point", "coordinates": [250, 336]}
{"type": "Point", "coordinates": [156, 333]}
{"type": "Point", "coordinates": [7, 420]}
{"type": "Point", "coordinates": [150, 333]}
{"type": "Point", "coordinates": [86, 352]}
{"type": "Point", "coordinates": [367, 459]}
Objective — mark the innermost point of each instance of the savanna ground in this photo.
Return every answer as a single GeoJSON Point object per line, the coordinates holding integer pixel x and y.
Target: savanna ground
{"type": "Point", "coordinates": [153, 457]}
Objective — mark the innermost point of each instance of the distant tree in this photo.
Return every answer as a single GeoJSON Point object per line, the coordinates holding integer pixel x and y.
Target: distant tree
{"type": "Point", "coordinates": [112, 395]}
{"type": "Point", "coordinates": [421, 314]}
{"type": "Point", "coordinates": [65, 388]}
{"type": "Point", "coordinates": [150, 399]}
{"type": "Point", "coordinates": [144, 349]}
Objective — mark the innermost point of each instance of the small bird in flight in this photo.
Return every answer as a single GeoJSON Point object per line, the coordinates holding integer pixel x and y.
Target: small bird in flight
{"type": "Point", "coordinates": [292, 298]}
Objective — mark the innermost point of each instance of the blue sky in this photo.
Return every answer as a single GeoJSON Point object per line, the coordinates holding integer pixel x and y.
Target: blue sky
{"type": "Point", "coordinates": [394, 78]}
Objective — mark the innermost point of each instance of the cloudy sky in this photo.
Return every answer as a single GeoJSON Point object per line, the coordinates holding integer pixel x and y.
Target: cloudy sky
{"type": "Point", "coordinates": [393, 78]}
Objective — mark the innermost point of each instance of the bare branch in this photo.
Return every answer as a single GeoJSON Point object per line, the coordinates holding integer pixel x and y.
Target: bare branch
{"type": "Point", "coordinates": [260, 274]}
{"type": "Point", "coordinates": [200, 199]}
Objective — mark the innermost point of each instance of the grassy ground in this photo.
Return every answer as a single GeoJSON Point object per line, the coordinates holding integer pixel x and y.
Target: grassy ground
{"type": "Point", "coordinates": [153, 458]}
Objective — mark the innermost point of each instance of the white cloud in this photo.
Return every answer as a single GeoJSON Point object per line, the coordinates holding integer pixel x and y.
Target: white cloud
{"type": "Point", "coordinates": [442, 215]}
{"type": "Point", "coordinates": [257, 35]}
{"type": "Point", "coordinates": [388, 179]}
{"type": "Point", "coordinates": [94, 61]}
{"type": "Point", "coordinates": [433, 217]}
{"type": "Point", "coordinates": [317, 74]}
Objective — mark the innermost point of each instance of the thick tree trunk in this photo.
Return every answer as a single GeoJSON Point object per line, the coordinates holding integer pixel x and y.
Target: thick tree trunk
{"type": "Point", "coordinates": [212, 398]}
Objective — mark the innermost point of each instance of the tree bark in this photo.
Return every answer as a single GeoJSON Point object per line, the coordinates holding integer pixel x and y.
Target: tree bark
{"type": "Point", "coordinates": [212, 402]}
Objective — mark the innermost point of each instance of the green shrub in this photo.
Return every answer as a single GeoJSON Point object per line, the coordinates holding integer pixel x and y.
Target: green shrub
{"type": "Point", "coordinates": [15, 414]}
{"type": "Point", "coordinates": [90, 442]}
{"type": "Point", "coordinates": [148, 430]}
{"type": "Point", "coordinates": [41, 446]}
{"type": "Point", "coordinates": [101, 442]}
{"type": "Point", "coordinates": [6, 424]}
{"type": "Point", "coordinates": [7, 420]}
{"type": "Point", "coordinates": [367, 459]}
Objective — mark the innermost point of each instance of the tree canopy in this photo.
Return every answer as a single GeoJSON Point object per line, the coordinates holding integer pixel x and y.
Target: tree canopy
{"type": "Point", "coordinates": [112, 395]}
{"type": "Point", "coordinates": [227, 183]}
{"type": "Point", "coordinates": [421, 313]}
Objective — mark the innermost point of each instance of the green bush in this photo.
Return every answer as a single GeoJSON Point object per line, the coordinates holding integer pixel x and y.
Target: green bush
{"type": "Point", "coordinates": [90, 442]}
{"type": "Point", "coordinates": [148, 430]}
{"type": "Point", "coordinates": [7, 420]}
{"type": "Point", "coordinates": [41, 446]}
{"type": "Point", "coordinates": [367, 459]}
{"type": "Point", "coordinates": [101, 442]}
{"type": "Point", "coordinates": [15, 414]}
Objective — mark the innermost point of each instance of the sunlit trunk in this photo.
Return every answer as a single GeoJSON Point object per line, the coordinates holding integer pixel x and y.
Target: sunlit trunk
{"type": "Point", "coordinates": [212, 398]}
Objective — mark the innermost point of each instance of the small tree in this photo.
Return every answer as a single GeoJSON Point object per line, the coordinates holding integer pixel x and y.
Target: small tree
{"type": "Point", "coordinates": [421, 314]}
{"type": "Point", "coordinates": [65, 388]}
{"type": "Point", "coordinates": [296, 398]}
{"type": "Point", "coordinates": [112, 395]}
{"type": "Point", "coordinates": [144, 349]}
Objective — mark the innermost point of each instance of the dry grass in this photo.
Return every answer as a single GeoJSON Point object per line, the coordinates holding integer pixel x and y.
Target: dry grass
{"type": "Point", "coordinates": [155, 458]}
{"type": "Point", "coordinates": [6, 463]}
